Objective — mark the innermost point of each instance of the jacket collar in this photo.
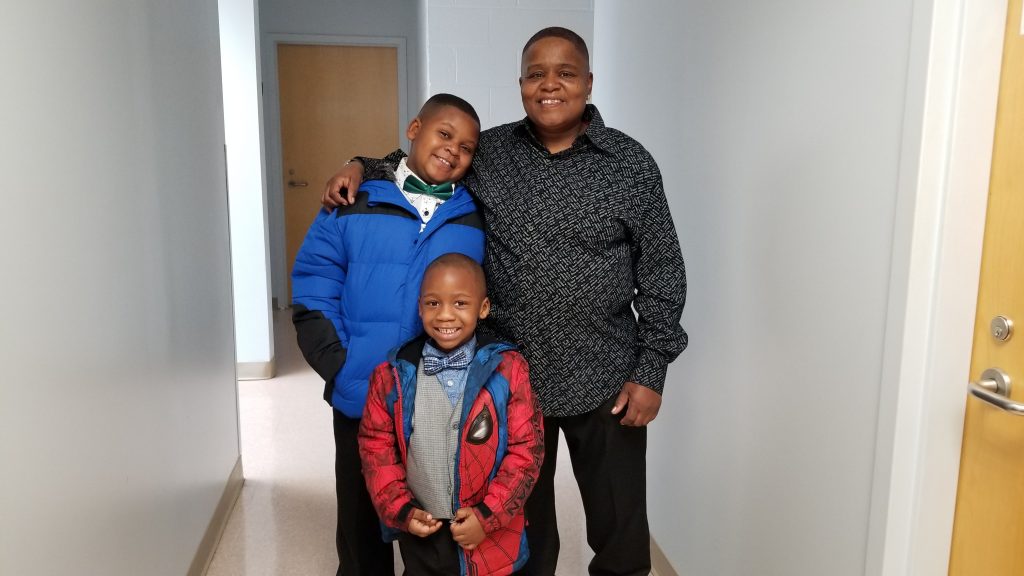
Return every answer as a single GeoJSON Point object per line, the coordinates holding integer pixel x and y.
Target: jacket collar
{"type": "Point", "coordinates": [387, 192]}
{"type": "Point", "coordinates": [412, 351]}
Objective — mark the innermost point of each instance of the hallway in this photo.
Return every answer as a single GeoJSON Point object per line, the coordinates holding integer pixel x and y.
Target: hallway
{"type": "Point", "coordinates": [283, 522]}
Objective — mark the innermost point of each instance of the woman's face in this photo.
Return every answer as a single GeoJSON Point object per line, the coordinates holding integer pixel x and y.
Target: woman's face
{"type": "Point", "coordinates": [555, 83]}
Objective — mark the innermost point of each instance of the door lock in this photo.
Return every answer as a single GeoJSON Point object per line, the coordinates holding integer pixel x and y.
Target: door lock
{"type": "Point", "coordinates": [1002, 328]}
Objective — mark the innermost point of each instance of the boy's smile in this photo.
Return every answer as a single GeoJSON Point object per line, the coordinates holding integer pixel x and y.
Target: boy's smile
{"type": "Point", "coordinates": [452, 300]}
{"type": "Point", "coordinates": [445, 168]}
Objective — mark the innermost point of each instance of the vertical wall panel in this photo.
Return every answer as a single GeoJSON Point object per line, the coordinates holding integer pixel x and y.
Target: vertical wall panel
{"type": "Point", "coordinates": [118, 420]}
{"type": "Point", "coordinates": [250, 253]}
{"type": "Point", "coordinates": [778, 127]}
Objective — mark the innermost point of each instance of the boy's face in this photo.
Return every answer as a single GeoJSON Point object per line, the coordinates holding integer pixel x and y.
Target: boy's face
{"type": "Point", "coordinates": [452, 300]}
{"type": "Point", "coordinates": [555, 84]}
{"type": "Point", "coordinates": [443, 144]}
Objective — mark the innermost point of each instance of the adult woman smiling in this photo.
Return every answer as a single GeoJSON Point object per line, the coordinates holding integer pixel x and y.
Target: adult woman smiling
{"type": "Point", "coordinates": [579, 235]}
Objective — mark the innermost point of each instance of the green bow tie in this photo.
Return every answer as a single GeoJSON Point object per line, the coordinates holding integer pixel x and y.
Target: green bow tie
{"type": "Point", "coordinates": [416, 186]}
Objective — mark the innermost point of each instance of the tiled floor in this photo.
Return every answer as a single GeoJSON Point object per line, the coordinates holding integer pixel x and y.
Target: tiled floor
{"type": "Point", "coordinates": [283, 522]}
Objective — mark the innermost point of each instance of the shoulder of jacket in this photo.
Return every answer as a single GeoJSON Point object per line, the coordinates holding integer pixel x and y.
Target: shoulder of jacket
{"type": "Point", "coordinates": [385, 372]}
{"type": "Point", "coordinates": [512, 362]}
{"type": "Point", "coordinates": [360, 205]}
{"type": "Point", "coordinates": [470, 217]}
{"type": "Point", "coordinates": [510, 353]}
{"type": "Point", "coordinates": [372, 190]}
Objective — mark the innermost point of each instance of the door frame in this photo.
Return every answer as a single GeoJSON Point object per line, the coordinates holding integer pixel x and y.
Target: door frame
{"type": "Point", "coordinates": [952, 88]}
{"type": "Point", "coordinates": [272, 113]}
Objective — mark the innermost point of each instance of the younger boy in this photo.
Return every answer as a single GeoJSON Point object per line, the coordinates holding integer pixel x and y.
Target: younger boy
{"type": "Point", "coordinates": [355, 285]}
{"type": "Point", "coordinates": [452, 432]}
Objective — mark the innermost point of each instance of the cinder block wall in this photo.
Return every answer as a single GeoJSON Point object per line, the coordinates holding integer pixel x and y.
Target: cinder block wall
{"type": "Point", "coordinates": [474, 46]}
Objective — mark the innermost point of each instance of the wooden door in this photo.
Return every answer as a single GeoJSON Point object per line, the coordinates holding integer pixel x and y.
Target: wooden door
{"type": "Point", "coordinates": [988, 535]}
{"type": "Point", "coordinates": [336, 102]}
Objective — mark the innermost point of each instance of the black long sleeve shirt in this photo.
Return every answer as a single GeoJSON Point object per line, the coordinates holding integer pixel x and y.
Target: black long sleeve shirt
{"type": "Point", "coordinates": [576, 241]}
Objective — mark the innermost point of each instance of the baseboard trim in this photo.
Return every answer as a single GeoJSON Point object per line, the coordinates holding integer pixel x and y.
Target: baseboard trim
{"type": "Point", "coordinates": [660, 565]}
{"type": "Point", "coordinates": [208, 545]}
{"type": "Point", "coordinates": [256, 370]}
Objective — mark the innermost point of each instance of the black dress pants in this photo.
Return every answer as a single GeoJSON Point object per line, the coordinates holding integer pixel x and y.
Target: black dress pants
{"type": "Point", "coordinates": [361, 549]}
{"type": "Point", "coordinates": [434, 555]}
{"type": "Point", "coordinates": [609, 461]}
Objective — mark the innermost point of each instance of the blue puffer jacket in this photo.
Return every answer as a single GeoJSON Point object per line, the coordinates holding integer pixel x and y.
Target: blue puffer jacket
{"type": "Point", "coordinates": [357, 278]}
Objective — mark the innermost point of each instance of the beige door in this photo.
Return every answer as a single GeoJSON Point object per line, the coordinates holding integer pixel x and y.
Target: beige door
{"type": "Point", "coordinates": [988, 535]}
{"type": "Point", "coordinates": [336, 102]}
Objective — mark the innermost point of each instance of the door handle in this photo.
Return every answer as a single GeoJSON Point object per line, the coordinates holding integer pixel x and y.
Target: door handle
{"type": "Point", "coordinates": [994, 387]}
{"type": "Point", "coordinates": [297, 183]}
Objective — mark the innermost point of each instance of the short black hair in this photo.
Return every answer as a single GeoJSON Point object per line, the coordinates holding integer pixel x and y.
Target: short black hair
{"type": "Point", "coordinates": [565, 34]}
{"type": "Point", "coordinates": [438, 100]}
{"type": "Point", "coordinates": [459, 260]}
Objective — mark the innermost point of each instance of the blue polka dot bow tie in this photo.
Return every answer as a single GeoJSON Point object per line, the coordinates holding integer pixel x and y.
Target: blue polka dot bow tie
{"type": "Point", "coordinates": [442, 191]}
{"type": "Point", "coordinates": [458, 360]}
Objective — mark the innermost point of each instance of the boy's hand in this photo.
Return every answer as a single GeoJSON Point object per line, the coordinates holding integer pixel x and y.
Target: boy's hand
{"type": "Point", "coordinates": [643, 404]}
{"type": "Point", "coordinates": [342, 187]}
{"type": "Point", "coordinates": [466, 529]}
{"type": "Point", "coordinates": [422, 524]}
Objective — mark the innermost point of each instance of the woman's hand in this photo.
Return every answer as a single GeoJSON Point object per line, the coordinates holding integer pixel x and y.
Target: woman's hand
{"type": "Point", "coordinates": [341, 189]}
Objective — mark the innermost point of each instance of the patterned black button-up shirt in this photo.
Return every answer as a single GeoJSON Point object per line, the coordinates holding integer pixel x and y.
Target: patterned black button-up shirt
{"type": "Point", "coordinates": [575, 242]}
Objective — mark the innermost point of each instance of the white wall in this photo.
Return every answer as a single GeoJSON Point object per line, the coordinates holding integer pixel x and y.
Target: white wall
{"type": "Point", "coordinates": [475, 46]}
{"type": "Point", "coordinates": [372, 18]}
{"type": "Point", "coordinates": [243, 132]}
{"type": "Point", "coordinates": [118, 420]}
{"type": "Point", "coordinates": [777, 126]}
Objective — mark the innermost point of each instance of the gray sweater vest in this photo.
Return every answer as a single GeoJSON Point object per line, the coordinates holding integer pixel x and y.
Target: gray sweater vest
{"type": "Point", "coordinates": [430, 463]}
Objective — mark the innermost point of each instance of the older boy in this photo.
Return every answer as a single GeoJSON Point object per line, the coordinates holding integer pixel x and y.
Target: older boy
{"type": "Point", "coordinates": [452, 433]}
{"type": "Point", "coordinates": [355, 285]}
